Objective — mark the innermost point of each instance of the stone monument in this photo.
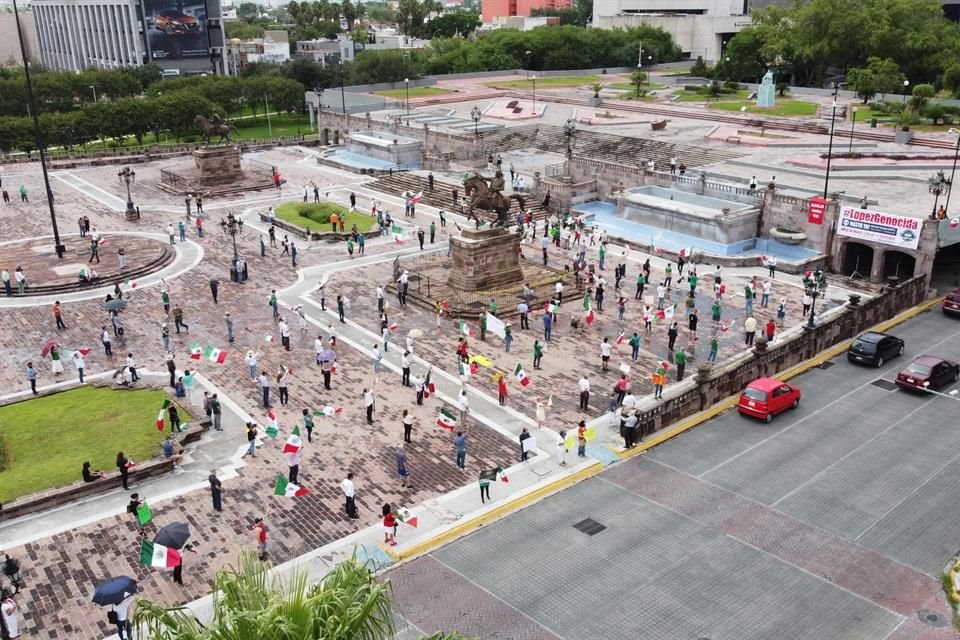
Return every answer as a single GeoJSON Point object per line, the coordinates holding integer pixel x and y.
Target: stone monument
{"type": "Point", "coordinates": [217, 165]}
{"type": "Point", "coordinates": [766, 92]}
{"type": "Point", "coordinates": [486, 259]}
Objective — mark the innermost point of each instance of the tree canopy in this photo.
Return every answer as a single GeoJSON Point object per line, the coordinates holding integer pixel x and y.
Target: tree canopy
{"type": "Point", "coordinates": [815, 40]}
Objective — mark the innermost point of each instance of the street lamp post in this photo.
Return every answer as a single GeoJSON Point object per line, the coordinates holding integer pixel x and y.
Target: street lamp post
{"type": "Point", "coordinates": [816, 287]}
{"type": "Point", "coordinates": [238, 267]}
{"type": "Point", "coordinates": [128, 175]}
{"type": "Point", "coordinates": [38, 135]}
{"type": "Point", "coordinates": [938, 184]}
{"type": "Point", "coordinates": [406, 83]}
{"type": "Point", "coordinates": [534, 78]}
{"type": "Point", "coordinates": [475, 114]}
{"type": "Point", "coordinates": [343, 94]}
{"type": "Point", "coordinates": [953, 172]}
{"type": "Point", "coordinates": [853, 123]}
{"type": "Point", "coordinates": [906, 83]}
{"type": "Point", "coordinates": [833, 118]}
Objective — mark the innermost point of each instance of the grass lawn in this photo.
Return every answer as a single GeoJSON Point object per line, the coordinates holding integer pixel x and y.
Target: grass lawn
{"type": "Point", "coordinates": [415, 92]}
{"type": "Point", "coordinates": [780, 108]}
{"type": "Point", "coordinates": [695, 96]}
{"type": "Point", "coordinates": [549, 82]}
{"type": "Point", "coordinates": [317, 216]}
{"type": "Point", "coordinates": [630, 85]}
{"type": "Point", "coordinates": [46, 440]}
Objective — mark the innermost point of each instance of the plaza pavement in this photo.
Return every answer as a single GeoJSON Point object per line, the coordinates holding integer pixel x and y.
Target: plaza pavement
{"type": "Point", "coordinates": [60, 569]}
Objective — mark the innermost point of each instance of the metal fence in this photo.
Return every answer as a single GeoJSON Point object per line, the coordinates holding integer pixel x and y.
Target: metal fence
{"type": "Point", "coordinates": [174, 180]}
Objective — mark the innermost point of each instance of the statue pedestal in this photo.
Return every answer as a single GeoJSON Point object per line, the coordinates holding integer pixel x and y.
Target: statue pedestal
{"type": "Point", "coordinates": [217, 165]}
{"type": "Point", "coordinates": [487, 259]}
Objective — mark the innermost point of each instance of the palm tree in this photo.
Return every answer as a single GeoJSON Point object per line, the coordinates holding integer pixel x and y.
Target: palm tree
{"type": "Point", "coordinates": [251, 604]}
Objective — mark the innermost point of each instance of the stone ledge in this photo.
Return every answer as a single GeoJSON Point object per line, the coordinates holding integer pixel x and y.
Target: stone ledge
{"type": "Point", "coordinates": [68, 493]}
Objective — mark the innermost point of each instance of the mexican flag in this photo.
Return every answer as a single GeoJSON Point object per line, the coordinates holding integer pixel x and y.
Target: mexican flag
{"type": "Point", "coordinates": [553, 308]}
{"type": "Point", "coordinates": [620, 338]}
{"type": "Point", "coordinates": [464, 329]}
{"type": "Point", "coordinates": [328, 411]}
{"type": "Point", "coordinates": [589, 316]}
{"type": "Point", "coordinates": [213, 354]}
{"type": "Point", "coordinates": [269, 339]}
{"type": "Point", "coordinates": [447, 420]}
{"type": "Point", "coordinates": [83, 351]}
{"type": "Point", "coordinates": [294, 443]}
{"type": "Point", "coordinates": [686, 252]}
{"type": "Point", "coordinates": [492, 475]}
{"type": "Point", "coordinates": [157, 555]}
{"type": "Point", "coordinates": [288, 489]}
{"type": "Point", "coordinates": [428, 385]}
{"type": "Point", "coordinates": [393, 327]}
{"type": "Point", "coordinates": [286, 370]}
{"type": "Point", "coordinates": [397, 233]}
{"type": "Point", "coordinates": [273, 426]}
{"type": "Point", "coordinates": [521, 376]}
{"type": "Point", "coordinates": [467, 369]}
{"type": "Point", "coordinates": [667, 314]}
{"type": "Point", "coordinates": [163, 407]}
{"type": "Point", "coordinates": [403, 515]}
{"type": "Point", "coordinates": [955, 222]}
{"type": "Point", "coordinates": [196, 351]}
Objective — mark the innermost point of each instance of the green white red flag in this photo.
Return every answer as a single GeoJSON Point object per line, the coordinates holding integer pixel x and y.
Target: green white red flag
{"type": "Point", "coordinates": [213, 354]}
{"type": "Point", "coordinates": [447, 420]}
{"type": "Point", "coordinates": [163, 408]}
{"type": "Point", "coordinates": [157, 555]}
{"type": "Point", "coordinates": [287, 489]}
{"type": "Point", "coordinates": [521, 376]}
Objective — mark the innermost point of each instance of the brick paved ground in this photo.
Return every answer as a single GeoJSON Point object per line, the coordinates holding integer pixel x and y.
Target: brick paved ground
{"type": "Point", "coordinates": [60, 570]}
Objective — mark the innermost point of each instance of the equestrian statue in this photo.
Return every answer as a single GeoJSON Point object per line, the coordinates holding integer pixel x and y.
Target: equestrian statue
{"type": "Point", "coordinates": [215, 126]}
{"type": "Point", "coordinates": [488, 197]}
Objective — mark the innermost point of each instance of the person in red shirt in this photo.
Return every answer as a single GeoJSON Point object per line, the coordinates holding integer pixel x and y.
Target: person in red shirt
{"type": "Point", "coordinates": [463, 351]}
{"type": "Point", "coordinates": [771, 329]}
{"type": "Point", "coordinates": [389, 525]}
{"type": "Point", "coordinates": [260, 531]}
{"type": "Point", "coordinates": [502, 389]}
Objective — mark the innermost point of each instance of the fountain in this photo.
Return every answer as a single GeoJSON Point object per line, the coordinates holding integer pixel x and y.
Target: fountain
{"type": "Point", "coordinates": [369, 150]}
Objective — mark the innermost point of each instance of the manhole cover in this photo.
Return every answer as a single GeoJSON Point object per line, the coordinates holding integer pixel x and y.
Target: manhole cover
{"type": "Point", "coordinates": [589, 526]}
{"type": "Point", "coordinates": [826, 364]}
{"type": "Point", "coordinates": [886, 385]}
{"type": "Point", "coordinates": [933, 618]}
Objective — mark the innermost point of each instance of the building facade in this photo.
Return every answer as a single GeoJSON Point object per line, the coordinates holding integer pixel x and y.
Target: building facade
{"type": "Point", "coordinates": [10, 44]}
{"type": "Point", "coordinates": [492, 9]}
{"type": "Point", "coordinates": [177, 35]}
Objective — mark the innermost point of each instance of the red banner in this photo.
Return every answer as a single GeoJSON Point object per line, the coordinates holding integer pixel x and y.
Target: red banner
{"type": "Point", "coordinates": [817, 208]}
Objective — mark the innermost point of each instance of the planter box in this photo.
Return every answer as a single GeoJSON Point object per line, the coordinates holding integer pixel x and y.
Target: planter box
{"type": "Point", "coordinates": [903, 137]}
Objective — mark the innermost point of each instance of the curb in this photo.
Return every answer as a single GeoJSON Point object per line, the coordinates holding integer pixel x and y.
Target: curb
{"type": "Point", "coordinates": [469, 526]}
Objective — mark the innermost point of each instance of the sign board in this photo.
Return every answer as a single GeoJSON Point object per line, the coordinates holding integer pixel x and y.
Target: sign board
{"type": "Point", "coordinates": [176, 29]}
{"type": "Point", "coordinates": [816, 210]}
{"type": "Point", "coordinates": [876, 226]}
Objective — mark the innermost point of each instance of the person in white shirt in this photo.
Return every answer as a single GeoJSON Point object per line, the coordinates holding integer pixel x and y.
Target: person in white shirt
{"type": "Point", "coordinates": [559, 291]}
{"type": "Point", "coordinates": [332, 334]}
{"type": "Point", "coordinates": [661, 292]}
{"type": "Point", "coordinates": [132, 366]}
{"type": "Point", "coordinates": [464, 404]}
{"type": "Point", "coordinates": [368, 403]}
{"type": "Point", "coordinates": [605, 353]}
{"type": "Point", "coordinates": [349, 492]}
{"type": "Point", "coordinates": [284, 333]}
{"type": "Point", "coordinates": [377, 358]}
{"type": "Point", "coordinates": [584, 392]}
{"type": "Point", "coordinates": [405, 369]}
{"type": "Point", "coordinates": [410, 344]}
{"type": "Point", "coordinates": [124, 628]}
{"type": "Point", "coordinates": [10, 617]}
{"type": "Point", "coordinates": [629, 401]}
{"type": "Point", "coordinates": [765, 297]}
{"type": "Point", "coordinates": [380, 298]}
{"type": "Point", "coordinates": [78, 362]}
{"type": "Point", "coordinates": [318, 347]}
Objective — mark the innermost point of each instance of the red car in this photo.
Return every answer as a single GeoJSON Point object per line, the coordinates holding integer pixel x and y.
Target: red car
{"type": "Point", "coordinates": [928, 372]}
{"type": "Point", "coordinates": [951, 303]}
{"type": "Point", "coordinates": [765, 397]}
{"type": "Point", "coordinates": [172, 22]}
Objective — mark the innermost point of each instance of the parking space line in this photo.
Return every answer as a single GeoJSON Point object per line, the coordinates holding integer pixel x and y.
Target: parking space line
{"type": "Point", "coordinates": [815, 412]}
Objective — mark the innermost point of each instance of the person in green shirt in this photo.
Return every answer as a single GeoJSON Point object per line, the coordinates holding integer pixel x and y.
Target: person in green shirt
{"type": "Point", "coordinates": [692, 279]}
{"type": "Point", "coordinates": [492, 307]}
{"type": "Point", "coordinates": [668, 276]}
{"type": "Point", "coordinates": [486, 477]}
{"type": "Point", "coordinates": [715, 309]}
{"type": "Point", "coordinates": [714, 348]}
{"type": "Point", "coordinates": [308, 424]}
{"type": "Point", "coordinates": [680, 359]}
{"type": "Point", "coordinates": [603, 254]}
{"type": "Point", "coordinates": [634, 346]}
{"type": "Point", "coordinates": [537, 353]}
{"type": "Point", "coordinates": [483, 326]}
{"type": "Point", "coordinates": [263, 247]}
{"type": "Point", "coordinates": [350, 246]}
{"type": "Point", "coordinates": [165, 298]}
{"type": "Point", "coordinates": [748, 296]}
{"type": "Point", "coordinates": [433, 231]}
{"type": "Point", "coordinates": [641, 282]}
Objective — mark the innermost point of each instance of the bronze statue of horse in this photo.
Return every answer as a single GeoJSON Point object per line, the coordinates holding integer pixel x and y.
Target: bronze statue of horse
{"type": "Point", "coordinates": [214, 127]}
{"type": "Point", "coordinates": [482, 197]}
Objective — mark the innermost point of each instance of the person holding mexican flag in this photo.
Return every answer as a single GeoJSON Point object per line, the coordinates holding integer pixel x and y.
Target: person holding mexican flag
{"type": "Point", "coordinates": [659, 378]}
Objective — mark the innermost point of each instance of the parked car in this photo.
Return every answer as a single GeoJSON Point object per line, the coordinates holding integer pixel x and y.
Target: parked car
{"type": "Point", "coordinates": [172, 21]}
{"type": "Point", "coordinates": [874, 348]}
{"type": "Point", "coordinates": [765, 397]}
{"type": "Point", "coordinates": [928, 372]}
{"type": "Point", "coordinates": [951, 303]}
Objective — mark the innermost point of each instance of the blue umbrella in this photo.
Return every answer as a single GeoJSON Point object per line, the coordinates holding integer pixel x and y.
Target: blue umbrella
{"type": "Point", "coordinates": [114, 591]}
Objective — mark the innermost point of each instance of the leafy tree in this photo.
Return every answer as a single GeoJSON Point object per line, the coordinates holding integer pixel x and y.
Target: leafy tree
{"type": "Point", "coordinates": [863, 82]}
{"type": "Point", "coordinates": [700, 68]}
{"type": "Point", "coordinates": [250, 603]}
{"type": "Point", "coordinates": [782, 88]}
{"type": "Point", "coordinates": [176, 111]}
{"type": "Point", "coordinates": [452, 24]}
{"type": "Point", "coordinates": [242, 30]}
{"type": "Point", "coordinates": [921, 96]}
{"type": "Point", "coordinates": [936, 113]}
{"type": "Point", "coordinates": [248, 10]}
{"type": "Point", "coordinates": [951, 79]}
{"type": "Point", "coordinates": [743, 60]}
{"type": "Point", "coordinates": [637, 78]}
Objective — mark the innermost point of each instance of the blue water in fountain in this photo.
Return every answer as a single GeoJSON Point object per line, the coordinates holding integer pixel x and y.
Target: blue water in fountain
{"type": "Point", "coordinates": [604, 214]}
{"type": "Point", "coordinates": [350, 159]}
